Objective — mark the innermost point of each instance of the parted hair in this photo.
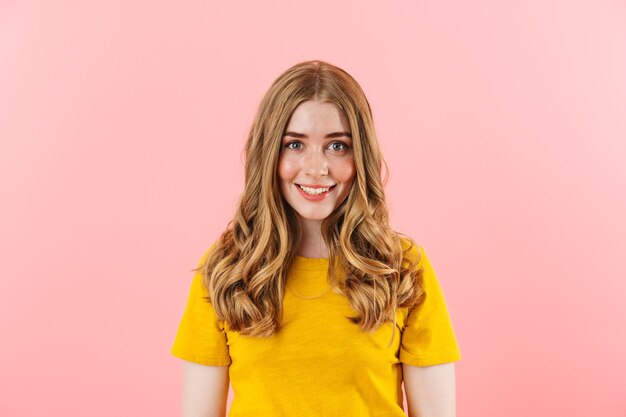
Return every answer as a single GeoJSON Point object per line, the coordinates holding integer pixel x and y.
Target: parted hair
{"type": "Point", "coordinates": [245, 271]}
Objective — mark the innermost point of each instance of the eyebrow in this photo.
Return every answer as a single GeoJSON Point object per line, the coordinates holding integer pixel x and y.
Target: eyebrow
{"type": "Point", "coordinates": [330, 135]}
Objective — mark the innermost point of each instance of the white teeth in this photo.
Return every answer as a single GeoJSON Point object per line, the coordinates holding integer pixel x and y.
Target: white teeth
{"type": "Point", "coordinates": [314, 191]}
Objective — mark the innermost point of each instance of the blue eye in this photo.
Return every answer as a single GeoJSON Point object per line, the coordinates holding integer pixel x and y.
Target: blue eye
{"type": "Point", "coordinates": [296, 145]}
{"type": "Point", "coordinates": [295, 142]}
{"type": "Point", "coordinates": [342, 145]}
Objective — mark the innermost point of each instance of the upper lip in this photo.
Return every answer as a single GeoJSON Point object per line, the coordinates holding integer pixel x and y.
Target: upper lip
{"type": "Point", "coordinates": [315, 185]}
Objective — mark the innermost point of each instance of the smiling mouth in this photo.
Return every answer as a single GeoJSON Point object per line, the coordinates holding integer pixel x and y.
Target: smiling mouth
{"type": "Point", "coordinates": [316, 186]}
{"type": "Point", "coordinates": [315, 190]}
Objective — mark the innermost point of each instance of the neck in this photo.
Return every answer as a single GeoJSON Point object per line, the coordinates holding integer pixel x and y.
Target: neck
{"type": "Point", "coordinates": [312, 244]}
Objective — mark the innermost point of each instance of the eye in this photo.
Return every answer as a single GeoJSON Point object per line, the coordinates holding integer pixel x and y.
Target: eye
{"type": "Point", "coordinates": [338, 146]}
{"type": "Point", "coordinates": [295, 142]}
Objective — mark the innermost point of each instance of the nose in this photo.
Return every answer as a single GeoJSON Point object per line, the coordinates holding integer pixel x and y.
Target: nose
{"type": "Point", "coordinates": [315, 164]}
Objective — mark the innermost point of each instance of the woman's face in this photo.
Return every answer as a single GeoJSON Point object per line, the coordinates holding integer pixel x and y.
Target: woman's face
{"type": "Point", "coordinates": [316, 153]}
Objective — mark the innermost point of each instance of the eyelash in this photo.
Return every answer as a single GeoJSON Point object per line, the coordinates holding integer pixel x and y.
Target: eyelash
{"type": "Point", "coordinates": [345, 145]}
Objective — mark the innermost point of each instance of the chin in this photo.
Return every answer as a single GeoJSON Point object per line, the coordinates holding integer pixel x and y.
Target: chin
{"type": "Point", "coordinates": [316, 217]}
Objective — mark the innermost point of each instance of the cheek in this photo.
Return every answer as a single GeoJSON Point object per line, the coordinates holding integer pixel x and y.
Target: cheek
{"type": "Point", "coordinates": [345, 171]}
{"type": "Point", "coordinates": [286, 169]}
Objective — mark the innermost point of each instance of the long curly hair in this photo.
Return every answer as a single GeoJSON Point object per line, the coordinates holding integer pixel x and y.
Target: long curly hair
{"type": "Point", "coordinates": [245, 271]}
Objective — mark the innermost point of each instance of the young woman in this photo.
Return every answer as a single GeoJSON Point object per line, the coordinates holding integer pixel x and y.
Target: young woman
{"type": "Point", "coordinates": [309, 303]}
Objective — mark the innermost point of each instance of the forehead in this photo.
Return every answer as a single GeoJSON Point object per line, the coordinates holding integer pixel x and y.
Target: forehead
{"type": "Point", "coordinates": [314, 115]}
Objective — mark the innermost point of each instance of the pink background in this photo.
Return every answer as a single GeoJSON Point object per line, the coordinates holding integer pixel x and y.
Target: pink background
{"type": "Point", "coordinates": [121, 131]}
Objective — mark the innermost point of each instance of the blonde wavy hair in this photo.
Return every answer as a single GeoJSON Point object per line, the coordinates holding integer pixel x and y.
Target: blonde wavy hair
{"type": "Point", "coordinates": [246, 269]}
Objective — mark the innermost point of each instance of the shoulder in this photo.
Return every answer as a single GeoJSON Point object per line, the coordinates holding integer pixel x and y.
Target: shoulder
{"type": "Point", "coordinates": [198, 285]}
{"type": "Point", "coordinates": [413, 252]}
{"type": "Point", "coordinates": [206, 253]}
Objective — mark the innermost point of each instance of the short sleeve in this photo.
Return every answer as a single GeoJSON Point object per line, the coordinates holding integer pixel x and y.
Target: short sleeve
{"type": "Point", "coordinates": [200, 337]}
{"type": "Point", "coordinates": [428, 337]}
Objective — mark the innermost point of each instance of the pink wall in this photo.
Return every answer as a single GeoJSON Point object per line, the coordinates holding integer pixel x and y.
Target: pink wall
{"type": "Point", "coordinates": [121, 130]}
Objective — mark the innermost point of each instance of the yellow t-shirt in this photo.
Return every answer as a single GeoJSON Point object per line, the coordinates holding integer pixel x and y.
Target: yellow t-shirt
{"type": "Point", "coordinates": [319, 363]}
